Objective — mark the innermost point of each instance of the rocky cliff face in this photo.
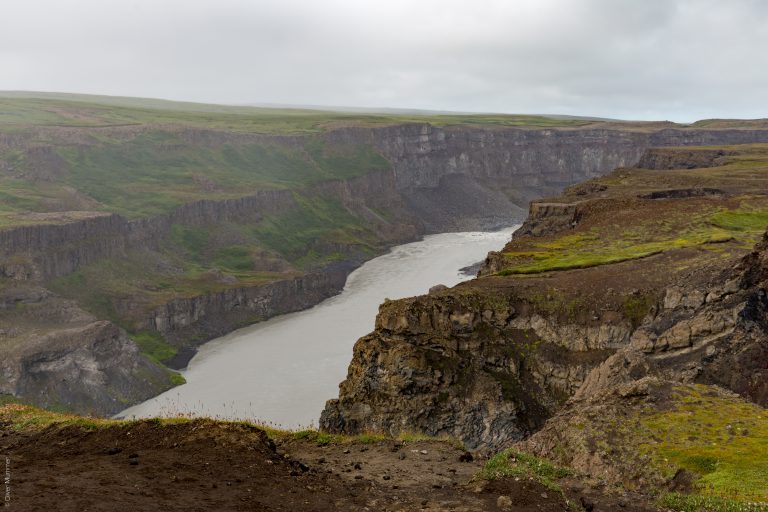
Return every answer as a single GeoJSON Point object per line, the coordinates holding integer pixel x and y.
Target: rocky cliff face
{"type": "Point", "coordinates": [207, 316]}
{"type": "Point", "coordinates": [486, 367]}
{"type": "Point", "coordinates": [702, 360]}
{"type": "Point", "coordinates": [56, 355]}
{"type": "Point", "coordinates": [706, 335]}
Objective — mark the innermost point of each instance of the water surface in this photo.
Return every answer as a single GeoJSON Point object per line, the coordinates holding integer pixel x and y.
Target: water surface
{"type": "Point", "coordinates": [282, 371]}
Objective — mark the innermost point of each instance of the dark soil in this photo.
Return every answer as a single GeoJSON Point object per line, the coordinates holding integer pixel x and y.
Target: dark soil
{"type": "Point", "coordinates": [208, 466]}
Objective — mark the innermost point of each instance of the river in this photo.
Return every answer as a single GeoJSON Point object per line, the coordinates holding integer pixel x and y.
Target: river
{"type": "Point", "coordinates": [280, 372]}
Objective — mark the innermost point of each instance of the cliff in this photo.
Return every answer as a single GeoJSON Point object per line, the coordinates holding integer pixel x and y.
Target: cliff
{"type": "Point", "coordinates": [619, 262]}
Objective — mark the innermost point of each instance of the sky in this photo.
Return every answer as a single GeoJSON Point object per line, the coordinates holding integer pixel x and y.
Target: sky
{"type": "Point", "coordinates": [678, 60]}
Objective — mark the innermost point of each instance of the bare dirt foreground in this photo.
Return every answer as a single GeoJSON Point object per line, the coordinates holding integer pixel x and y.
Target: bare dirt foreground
{"type": "Point", "coordinates": [203, 465]}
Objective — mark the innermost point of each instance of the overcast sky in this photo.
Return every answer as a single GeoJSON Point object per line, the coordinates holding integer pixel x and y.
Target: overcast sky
{"type": "Point", "coordinates": [635, 59]}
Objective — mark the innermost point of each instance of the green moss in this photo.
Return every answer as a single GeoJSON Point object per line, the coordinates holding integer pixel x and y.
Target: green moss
{"type": "Point", "coordinates": [534, 262]}
{"type": "Point", "coordinates": [193, 240]}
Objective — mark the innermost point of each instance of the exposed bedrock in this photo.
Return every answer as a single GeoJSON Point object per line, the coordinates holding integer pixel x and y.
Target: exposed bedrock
{"type": "Point", "coordinates": [717, 335]}
{"type": "Point", "coordinates": [486, 368]}
{"type": "Point", "coordinates": [58, 356]}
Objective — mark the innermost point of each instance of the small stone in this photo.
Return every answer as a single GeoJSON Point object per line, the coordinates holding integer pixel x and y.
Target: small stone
{"type": "Point", "coordinates": [466, 457]}
{"type": "Point", "coordinates": [386, 477]}
{"type": "Point", "coordinates": [544, 495]}
{"type": "Point", "coordinates": [358, 465]}
{"type": "Point", "coordinates": [504, 502]}
{"type": "Point", "coordinates": [346, 450]}
{"type": "Point", "coordinates": [423, 452]}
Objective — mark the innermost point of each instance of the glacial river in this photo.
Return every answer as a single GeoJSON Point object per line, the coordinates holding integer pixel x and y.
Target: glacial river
{"type": "Point", "coordinates": [281, 371]}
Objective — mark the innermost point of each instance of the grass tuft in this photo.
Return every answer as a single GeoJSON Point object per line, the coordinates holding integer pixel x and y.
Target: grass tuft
{"type": "Point", "coordinates": [512, 463]}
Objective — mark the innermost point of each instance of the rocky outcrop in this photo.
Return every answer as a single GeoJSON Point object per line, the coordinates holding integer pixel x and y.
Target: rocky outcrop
{"type": "Point", "coordinates": [185, 322]}
{"type": "Point", "coordinates": [64, 358]}
{"type": "Point", "coordinates": [484, 368]}
{"type": "Point", "coordinates": [706, 336]}
{"type": "Point", "coordinates": [660, 159]}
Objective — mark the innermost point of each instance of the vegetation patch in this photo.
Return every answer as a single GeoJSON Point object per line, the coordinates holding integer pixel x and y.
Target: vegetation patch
{"type": "Point", "coordinates": [704, 227]}
{"type": "Point", "coordinates": [637, 307]}
{"type": "Point", "coordinates": [697, 503]}
{"type": "Point", "coordinates": [512, 463]}
{"type": "Point", "coordinates": [154, 345]}
{"type": "Point", "coordinates": [325, 439]}
{"type": "Point", "coordinates": [722, 440]}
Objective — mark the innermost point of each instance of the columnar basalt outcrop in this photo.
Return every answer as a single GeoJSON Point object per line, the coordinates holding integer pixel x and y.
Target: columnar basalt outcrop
{"type": "Point", "coordinates": [213, 314]}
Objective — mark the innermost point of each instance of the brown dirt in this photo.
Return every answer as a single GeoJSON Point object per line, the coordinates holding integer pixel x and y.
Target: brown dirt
{"type": "Point", "coordinates": [203, 465]}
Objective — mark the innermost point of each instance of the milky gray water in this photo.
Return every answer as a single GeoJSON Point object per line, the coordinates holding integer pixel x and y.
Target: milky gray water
{"type": "Point", "coordinates": [283, 370]}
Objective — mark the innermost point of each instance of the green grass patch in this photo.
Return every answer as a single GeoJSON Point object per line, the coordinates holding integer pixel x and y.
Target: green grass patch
{"type": "Point", "coordinates": [742, 220]}
{"type": "Point", "coordinates": [324, 438]}
{"type": "Point", "coordinates": [696, 503]}
{"type": "Point", "coordinates": [234, 258]}
{"type": "Point", "coordinates": [299, 234]}
{"type": "Point", "coordinates": [534, 262]}
{"type": "Point", "coordinates": [512, 463]}
{"type": "Point", "coordinates": [57, 109]}
{"type": "Point", "coordinates": [177, 379]}
{"type": "Point", "coordinates": [154, 345]}
{"type": "Point", "coordinates": [724, 441]}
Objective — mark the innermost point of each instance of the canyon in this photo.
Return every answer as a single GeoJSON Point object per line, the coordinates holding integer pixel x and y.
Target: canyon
{"type": "Point", "coordinates": [151, 259]}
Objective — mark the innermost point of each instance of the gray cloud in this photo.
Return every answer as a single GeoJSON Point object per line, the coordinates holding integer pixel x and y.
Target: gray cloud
{"type": "Point", "coordinates": [649, 59]}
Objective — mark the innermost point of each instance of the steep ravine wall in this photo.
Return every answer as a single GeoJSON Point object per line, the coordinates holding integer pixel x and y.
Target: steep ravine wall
{"type": "Point", "coordinates": [47, 251]}
{"type": "Point", "coordinates": [483, 367]}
